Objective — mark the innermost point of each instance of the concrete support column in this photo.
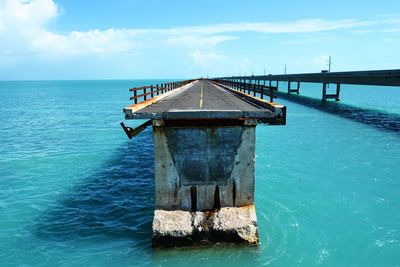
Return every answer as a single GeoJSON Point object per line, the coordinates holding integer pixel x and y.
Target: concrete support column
{"type": "Point", "coordinates": [326, 96]}
{"type": "Point", "coordinates": [337, 98]}
{"type": "Point", "coordinates": [204, 181]}
{"type": "Point", "coordinates": [293, 90]}
{"type": "Point", "coordinates": [204, 157]}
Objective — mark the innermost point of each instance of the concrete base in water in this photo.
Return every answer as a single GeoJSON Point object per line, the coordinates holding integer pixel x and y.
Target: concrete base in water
{"type": "Point", "coordinates": [230, 224]}
{"type": "Point", "coordinates": [204, 182]}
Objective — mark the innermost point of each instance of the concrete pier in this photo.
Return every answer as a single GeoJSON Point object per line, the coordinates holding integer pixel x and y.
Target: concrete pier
{"type": "Point", "coordinates": [204, 154]}
{"type": "Point", "coordinates": [202, 169]}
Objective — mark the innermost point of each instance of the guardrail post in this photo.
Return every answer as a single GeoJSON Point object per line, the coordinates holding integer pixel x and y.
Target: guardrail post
{"type": "Point", "coordinates": [271, 95]}
{"type": "Point", "coordinates": [157, 90]}
{"type": "Point", "coordinates": [262, 90]}
{"type": "Point", "coordinates": [144, 93]}
{"type": "Point", "coordinates": [135, 94]}
{"type": "Point", "coordinates": [151, 91]}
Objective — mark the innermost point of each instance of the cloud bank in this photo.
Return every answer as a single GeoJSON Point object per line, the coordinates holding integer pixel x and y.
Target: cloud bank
{"type": "Point", "coordinates": [25, 22]}
{"type": "Point", "coordinates": [24, 31]}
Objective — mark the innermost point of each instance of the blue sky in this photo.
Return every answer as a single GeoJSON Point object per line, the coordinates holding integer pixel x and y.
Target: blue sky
{"type": "Point", "coordinates": [68, 39]}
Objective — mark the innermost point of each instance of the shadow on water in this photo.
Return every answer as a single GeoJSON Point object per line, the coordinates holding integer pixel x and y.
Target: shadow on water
{"type": "Point", "coordinates": [374, 118]}
{"type": "Point", "coordinates": [115, 202]}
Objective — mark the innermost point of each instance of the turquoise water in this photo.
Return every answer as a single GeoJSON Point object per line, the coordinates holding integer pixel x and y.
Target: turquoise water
{"type": "Point", "coordinates": [75, 192]}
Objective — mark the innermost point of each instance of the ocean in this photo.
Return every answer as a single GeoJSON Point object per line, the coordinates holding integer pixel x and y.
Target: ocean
{"type": "Point", "coordinates": [74, 191]}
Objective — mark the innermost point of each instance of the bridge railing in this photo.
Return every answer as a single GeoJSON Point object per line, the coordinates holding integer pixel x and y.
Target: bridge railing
{"type": "Point", "coordinates": [144, 93]}
{"type": "Point", "coordinates": [251, 88]}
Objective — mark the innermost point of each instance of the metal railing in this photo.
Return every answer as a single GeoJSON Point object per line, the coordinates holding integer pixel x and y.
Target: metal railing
{"type": "Point", "coordinates": [141, 94]}
{"type": "Point", "coordinates": [250, 88]}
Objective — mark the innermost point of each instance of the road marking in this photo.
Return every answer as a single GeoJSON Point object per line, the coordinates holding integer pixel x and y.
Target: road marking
{"type": "Point", "coordinates": [201, 94]}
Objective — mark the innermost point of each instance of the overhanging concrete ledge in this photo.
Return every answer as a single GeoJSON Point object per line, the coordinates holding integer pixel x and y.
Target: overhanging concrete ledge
{"type": "Point", "coordinates": [261, 115]}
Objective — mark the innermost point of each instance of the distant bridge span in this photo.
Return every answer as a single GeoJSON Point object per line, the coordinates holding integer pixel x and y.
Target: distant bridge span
{"type": "Point", "coordinates": [372, 77]}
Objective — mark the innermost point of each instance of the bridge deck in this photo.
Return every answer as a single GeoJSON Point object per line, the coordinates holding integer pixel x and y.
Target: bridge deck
{"type": "Point", "coordinates": [203, 99]}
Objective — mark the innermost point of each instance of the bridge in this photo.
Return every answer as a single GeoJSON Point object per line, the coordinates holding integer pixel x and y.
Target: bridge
{"type": "Point", "coordinates": [205, 99]}
{"type": "Point", "coordinates": [204, 148]}
{"type": "Point", "coordinates": [374, 77]}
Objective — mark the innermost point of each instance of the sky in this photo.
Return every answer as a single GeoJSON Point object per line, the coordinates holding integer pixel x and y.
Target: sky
{"type": "Point", "coordinates": [177, 39]}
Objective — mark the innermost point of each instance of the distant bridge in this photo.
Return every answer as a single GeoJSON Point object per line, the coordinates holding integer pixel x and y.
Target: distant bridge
{"type": "Point", "coordinates": [374, 77]}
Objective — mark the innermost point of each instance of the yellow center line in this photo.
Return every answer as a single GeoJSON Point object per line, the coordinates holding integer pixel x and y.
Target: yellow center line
{"type": "Point", "coordinates": [201, 95]}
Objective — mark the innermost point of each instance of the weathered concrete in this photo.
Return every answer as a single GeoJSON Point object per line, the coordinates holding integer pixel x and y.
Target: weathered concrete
{"type": "Point", "coordinates": [230, 224]}
{"type": "Point", "coordinates": [196, 167]}
{"type": "Point", "coordinates": [204, 182]}
{"type": "Point", "coordinates": [204, 156]}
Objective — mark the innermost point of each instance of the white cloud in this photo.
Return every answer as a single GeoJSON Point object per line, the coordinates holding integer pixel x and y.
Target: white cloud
{"type": "Point", "coordinates": [204, 58]}
{"type": "Point", "coordinates": [27, 14]}
{"type": "Point", "coordinates": [23, 30]}
{"type": "Point", "coordinates": [90, 42]}
{"type": "Point", "coordinates": [299, 26]}
{"type": "Point", "coordinates": [193, 40]}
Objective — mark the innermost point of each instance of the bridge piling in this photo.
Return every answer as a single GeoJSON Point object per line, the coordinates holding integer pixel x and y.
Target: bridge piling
{"type": "Point", "coordinates": [326, 96]}
{"type": "Point", "coordinates": [204, 158]}
{"type": "Point", "coordinates": [293, 90]}
{"type": "Point", "coordinates": [199, 178]}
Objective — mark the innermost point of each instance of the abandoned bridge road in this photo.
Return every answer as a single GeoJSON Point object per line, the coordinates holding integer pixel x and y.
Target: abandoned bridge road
{"type": "Point", "coordinates": [203, 99]}
{"type": "Point", "coordinates": [202, 95]}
